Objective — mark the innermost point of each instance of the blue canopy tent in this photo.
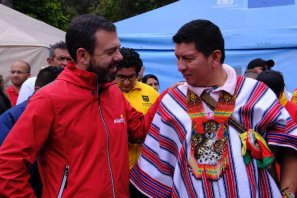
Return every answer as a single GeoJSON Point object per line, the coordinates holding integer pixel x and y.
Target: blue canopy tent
{"type": "Point", "coordinates": [251, 28]}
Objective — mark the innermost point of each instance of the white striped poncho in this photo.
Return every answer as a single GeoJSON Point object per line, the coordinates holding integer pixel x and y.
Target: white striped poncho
{"type": "Point", "coordinates": [163, 170]}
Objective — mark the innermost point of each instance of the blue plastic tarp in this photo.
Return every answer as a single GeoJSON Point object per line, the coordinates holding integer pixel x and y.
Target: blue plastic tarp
{"type": "Point", "coordinates": [251, 30]}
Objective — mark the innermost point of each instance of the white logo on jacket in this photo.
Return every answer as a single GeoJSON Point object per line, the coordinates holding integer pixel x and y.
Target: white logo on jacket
{"type": "Point", "coordinates": [119, 120]}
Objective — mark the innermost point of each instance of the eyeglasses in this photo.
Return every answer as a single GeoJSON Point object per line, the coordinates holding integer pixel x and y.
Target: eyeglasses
{"type": "Point", "coordinates": [122, 78]}
{"type": "Point", "coordinates": [153, 84]}
{"type": "Point", "coordinates": [63, 58]}
{"type": "Point", "coordinates": [18, 72]}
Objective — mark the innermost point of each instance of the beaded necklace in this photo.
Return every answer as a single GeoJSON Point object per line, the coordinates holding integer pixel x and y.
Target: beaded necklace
{"type": "Point", "coordinates": [209, 143]}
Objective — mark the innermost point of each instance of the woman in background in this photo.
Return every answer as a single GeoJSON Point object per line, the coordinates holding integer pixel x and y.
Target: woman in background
{"type": "Point", "coordinates": [151, 80]}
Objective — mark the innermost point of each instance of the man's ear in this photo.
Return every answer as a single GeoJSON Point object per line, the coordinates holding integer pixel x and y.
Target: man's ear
{"type": "Point", "coordinates": [217, 55]}
{"type": "Point", "coordinates": [82, 56]}
{"type": "Point", "coordinates": [49, 60]}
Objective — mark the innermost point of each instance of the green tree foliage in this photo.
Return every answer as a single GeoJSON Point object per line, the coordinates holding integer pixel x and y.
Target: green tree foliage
{"type": "Point", "coordinates": [74, 8]}
{"type": "Point", "coordinates": [59, 13]}
{"type": "Point", "coordinates": [49, 11]}
{"type": "Point", "coordinates": [116, 10]}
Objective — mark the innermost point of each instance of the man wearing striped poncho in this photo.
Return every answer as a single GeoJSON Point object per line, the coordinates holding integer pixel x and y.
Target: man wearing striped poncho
{"type": "Point", "coordinates": [192, 150]}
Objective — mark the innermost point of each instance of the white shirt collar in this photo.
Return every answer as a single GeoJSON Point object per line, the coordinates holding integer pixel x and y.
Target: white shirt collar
{"type": "Point", "coordinates": [229, 85]}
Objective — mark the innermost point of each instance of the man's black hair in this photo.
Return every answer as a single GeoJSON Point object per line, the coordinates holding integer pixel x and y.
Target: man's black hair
{"type": "Point", "coordinates": [206, 36]}
{"type": "Point", "coordinates": [274, 80]}
{"type": "Point", "coordinates": [47, 75]}
{"type": "Point", "coordinates": [130, 59]}
{"type": "Point", "coordinates": [82, 30]}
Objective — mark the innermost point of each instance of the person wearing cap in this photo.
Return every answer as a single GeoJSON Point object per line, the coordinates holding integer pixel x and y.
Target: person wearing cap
{"type": "Point", "coordinates": [275, 81]}
{"type": "Point", "coordinates": [258, 65]}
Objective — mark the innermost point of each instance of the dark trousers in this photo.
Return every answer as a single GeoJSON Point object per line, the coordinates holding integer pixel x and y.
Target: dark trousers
{"type": "Point", "coordinates": [134, 192]}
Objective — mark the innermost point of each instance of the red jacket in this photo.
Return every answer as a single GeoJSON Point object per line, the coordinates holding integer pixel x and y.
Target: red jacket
{"type": "Point", "coordinates": [79, 137]}
{"type": "Point", "coordinates": [292, 109]}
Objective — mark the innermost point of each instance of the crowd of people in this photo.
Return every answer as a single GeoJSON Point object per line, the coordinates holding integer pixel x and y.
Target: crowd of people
{"type": "Point", "coordinates": [91, 124]}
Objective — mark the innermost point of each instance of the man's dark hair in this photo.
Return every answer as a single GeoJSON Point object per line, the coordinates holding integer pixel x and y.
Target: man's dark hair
{"type": "Point", "coordinates": [206, 36]}
{"type": "Point", "coordinates": [130, 59]}
{"type": "Point", "coordinates": [274, 80]}
{"type": "Point", "coordinates": [146, 77]}
{"type": "Point", "coordinates": [59, 45]}
{"type": "Point", "coordinates": [47, 75]}
{"type": "Point", "coordinates": [81, 33]}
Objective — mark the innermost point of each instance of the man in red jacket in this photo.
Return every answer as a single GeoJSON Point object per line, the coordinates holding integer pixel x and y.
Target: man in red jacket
{"type": "Point", "coordinates": [78, 126]}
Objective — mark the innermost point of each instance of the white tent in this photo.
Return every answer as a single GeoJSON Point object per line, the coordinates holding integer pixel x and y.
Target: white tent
{"type": "Point", "coordinates": [24, 38]}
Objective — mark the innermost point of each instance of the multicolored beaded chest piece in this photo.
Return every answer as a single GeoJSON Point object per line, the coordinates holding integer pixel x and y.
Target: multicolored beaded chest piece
{"type": "Point", "coordinates": [209, 155]}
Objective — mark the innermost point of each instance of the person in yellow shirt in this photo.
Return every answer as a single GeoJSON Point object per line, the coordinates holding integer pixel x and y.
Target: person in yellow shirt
{"type": "Point", "coordinates": [294, 97]}
{"type": "Point", "coordinates": [141, 96]}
